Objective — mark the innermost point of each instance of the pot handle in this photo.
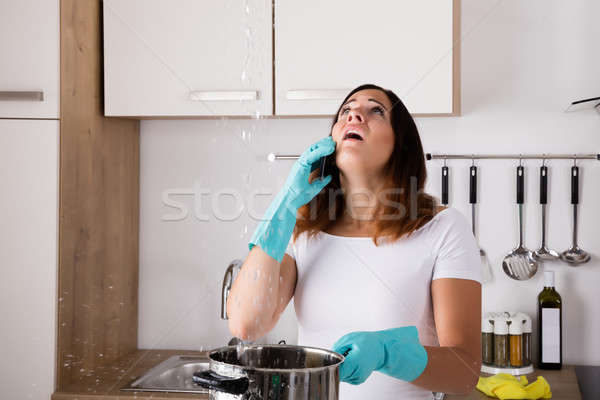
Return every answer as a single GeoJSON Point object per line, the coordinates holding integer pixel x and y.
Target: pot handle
{"type": "Point", "coordinates": [211, 380]}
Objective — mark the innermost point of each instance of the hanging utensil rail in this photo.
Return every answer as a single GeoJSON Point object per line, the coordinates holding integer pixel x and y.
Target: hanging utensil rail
{"type": "Point", "coordinates": [549, 156]}
{"type": "Point", "coordinates": [430, 156]}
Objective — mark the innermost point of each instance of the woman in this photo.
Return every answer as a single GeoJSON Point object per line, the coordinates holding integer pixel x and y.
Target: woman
{"type": "Point", "coordinates": [377, 271]}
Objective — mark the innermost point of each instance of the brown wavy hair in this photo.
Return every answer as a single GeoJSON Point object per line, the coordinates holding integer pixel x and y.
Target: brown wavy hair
{"type": "Point", "coordinates": [405, 209]}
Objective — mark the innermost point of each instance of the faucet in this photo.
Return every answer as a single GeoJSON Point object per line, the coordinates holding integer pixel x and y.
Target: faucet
{"type": "Point", "coordinates": [230, 274]}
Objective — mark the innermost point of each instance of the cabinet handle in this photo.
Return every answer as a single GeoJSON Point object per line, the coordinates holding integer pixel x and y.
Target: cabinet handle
{"type": "Point", "coordinates": [21, 95]}
{"type": "Point", "coordinates": [202, 95]}
{"type": "Point", "coordinates": [328, 94]}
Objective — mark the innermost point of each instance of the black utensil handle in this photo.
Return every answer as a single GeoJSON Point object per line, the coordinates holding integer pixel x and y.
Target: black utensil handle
{"type": "Point", "coordinates": [211, 380]}
{"type": "Point", "coordinates": [444, 185]}
{"type": "Point", "coordinates": [473, 184]}
{"type": "Point", "coordinates": [574, 185]}
{"type": "Point", "coordinates": [543, 184]}
{"type": "Point", "coordinates": [520, 184]}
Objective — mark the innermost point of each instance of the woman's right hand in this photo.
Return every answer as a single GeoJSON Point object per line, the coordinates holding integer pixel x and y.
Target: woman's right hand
{"type": "Point", "coordinates": [275, 231]}
{"type": "Point", "coordinates": [299, 190]}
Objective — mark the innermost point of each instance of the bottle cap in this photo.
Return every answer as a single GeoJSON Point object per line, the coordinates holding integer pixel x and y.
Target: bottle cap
{"type": "Point", "coordinates": [548, 278]}
{"type": "Point", "coordinates": [500, 326]}
{"type": "Point", "coordinates": [527, 323]}
{"type": "Point", "coordinates": [486, 324]}
{"type": "Point", "coordinates": [516, 326]}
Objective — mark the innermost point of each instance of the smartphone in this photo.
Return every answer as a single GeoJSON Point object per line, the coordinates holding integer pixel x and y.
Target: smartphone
{"type": "Point", "coordinates": [325, 165]}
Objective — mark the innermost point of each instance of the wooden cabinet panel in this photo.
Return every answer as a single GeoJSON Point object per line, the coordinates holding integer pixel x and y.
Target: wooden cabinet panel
{"type": "Point", "coordinates": [324, 49]}
{"type": "Point", "coordinates": [187, 57]}
{"type": "Point", "coordinates": [29, 54]}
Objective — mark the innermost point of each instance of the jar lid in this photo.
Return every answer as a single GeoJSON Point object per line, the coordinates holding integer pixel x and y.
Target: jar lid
{"type": "Point", "coordinates": [515, 326]}
{"type": "Point", "coordinates": [486, 324]}
{"type": "Point", "coordinates": [500, 326]}
{"type": "Point", "coordinates": [527, 323]}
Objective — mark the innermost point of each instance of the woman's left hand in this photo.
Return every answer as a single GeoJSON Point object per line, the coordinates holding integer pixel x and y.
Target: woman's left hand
{"type": "Point", "coordinates": [364, 354]}
{"type": "Point", "coordinates": [396, 352]}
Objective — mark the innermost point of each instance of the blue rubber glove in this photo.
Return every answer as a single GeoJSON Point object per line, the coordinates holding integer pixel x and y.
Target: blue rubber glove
{"type": "Point", "coordinates": [395, 352]}
{"type": "Point", "coordinates": [274, 232]}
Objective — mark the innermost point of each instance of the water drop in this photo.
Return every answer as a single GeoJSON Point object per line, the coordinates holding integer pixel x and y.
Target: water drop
{"type": "Point", "coordinates": [246, 178]}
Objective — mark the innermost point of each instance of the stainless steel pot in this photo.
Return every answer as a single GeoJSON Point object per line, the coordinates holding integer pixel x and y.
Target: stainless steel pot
{"type": "Point", "coordinates": [271, 372]}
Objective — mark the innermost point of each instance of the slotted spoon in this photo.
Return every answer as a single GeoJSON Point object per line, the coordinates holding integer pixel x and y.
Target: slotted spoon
{"type": "Point", "coordinates": [520, 263]}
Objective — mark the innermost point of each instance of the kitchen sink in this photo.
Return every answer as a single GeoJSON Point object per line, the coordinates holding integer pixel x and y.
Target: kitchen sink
{"type": "Point", "coordinates": [172, 375]}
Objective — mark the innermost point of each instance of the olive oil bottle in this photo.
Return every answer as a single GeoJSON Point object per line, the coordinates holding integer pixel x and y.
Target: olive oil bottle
{"type": "Point", "coordinates": [549, 325]}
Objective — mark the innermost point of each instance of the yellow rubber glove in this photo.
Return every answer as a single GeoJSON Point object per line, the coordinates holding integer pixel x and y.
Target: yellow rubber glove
{"type": "Point", "coordinates": [506, 386]}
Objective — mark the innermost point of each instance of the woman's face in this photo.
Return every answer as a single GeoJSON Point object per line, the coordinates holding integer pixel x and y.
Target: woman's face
{"type": "Point", "coordinates": [366, 114]}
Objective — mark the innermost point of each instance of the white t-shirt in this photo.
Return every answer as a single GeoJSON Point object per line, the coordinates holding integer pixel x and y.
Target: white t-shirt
{"type": "Point", "coordinates": [348, 284]}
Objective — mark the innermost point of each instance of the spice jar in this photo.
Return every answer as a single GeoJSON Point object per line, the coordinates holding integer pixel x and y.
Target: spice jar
{"type": "Point", "coordinates": [515, 338]}
{"type": "Point", "coordinates": [500, 342]}
{"type": "Point", "coordinates": [526, 339]}
{"type": "Point", "coordinates": [487, 340]}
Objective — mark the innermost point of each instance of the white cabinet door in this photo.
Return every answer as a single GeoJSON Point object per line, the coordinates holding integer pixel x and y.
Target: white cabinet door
{"type": "Point", "coordinates": [188, 57]}
{"type": "Point", "coordinates": [29, 58]}
{"type": "Point", "coordinates": [28, 256]}
{"type": "Point", "coordinates": [325, 48]}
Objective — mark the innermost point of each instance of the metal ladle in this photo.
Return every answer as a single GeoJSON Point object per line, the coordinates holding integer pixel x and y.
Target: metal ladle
{"type": "Point", "coordinates": [544, 253]}
{"type": "Point", "coordinates": [520, 264]}
{"type": "Point", "coordinates": [575, 255]}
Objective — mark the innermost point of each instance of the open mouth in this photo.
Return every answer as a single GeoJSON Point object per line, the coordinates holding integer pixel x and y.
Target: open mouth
{"type": "Point", "coordinates": [352, 135]}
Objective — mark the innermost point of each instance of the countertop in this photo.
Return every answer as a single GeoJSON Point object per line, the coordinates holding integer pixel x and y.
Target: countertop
{"type": "Point", "coordinates": [105, 382]}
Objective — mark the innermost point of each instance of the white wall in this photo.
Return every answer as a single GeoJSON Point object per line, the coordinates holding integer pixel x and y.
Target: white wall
{"type": "Point", "coordinates": [522, 63]}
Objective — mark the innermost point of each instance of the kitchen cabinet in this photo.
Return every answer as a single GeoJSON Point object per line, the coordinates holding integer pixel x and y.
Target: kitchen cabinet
{"type": "Point", "coordinates": [187, 58]}
{"type": "Point", "coordinates": [202, 59]}
{"type": "Point", "coordinates": [29, 49]}
{"type": "Point", "coordinates": [29, 254]}
{"type": "Point", "coordinates": [325, 49]}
